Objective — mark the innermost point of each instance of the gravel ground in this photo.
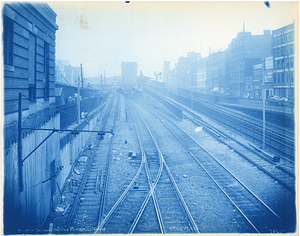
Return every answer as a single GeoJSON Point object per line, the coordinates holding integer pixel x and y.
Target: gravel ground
{"type": "Point", "coordinates": [199, 192]}
{"type": "Point", "coordinates": [211, 210]}
{"type": "Point", "coordinates": [281, 200]}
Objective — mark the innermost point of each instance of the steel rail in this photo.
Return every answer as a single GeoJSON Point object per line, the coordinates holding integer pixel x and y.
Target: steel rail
{"type": "Point", "coordinates": [194, 226]}
{"type": "Point", "coordinates": [248, 220]}
{"type": "Point", "coordinates": [81, 187]}
{"type": "Point", "coordinates": [103, 196]}
{"type": "Point", "coordinates": [258, 133]}
{"type": "Point", "coordinates": [219, 164]}
{"type": "Point", "coordinates": [152, 193]}
{"type": "Point", "coordinates": [175, 103]}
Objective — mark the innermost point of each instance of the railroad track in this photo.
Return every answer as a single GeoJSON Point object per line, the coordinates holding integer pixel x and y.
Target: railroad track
{"type": "Point", "coordinates": [279, 141]}
{"type": "Point", "coordinates": [257, 213]}
{"type": "Point", "coordinates": [283, 172]}
{"type": "Point", "coordinates": [89, 194]}
{"type": "Point", "coordinates": [145, 205]}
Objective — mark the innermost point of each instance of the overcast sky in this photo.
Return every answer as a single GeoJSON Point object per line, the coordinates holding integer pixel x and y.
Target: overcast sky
{"type": "Point", "coordinates": [101, 35]}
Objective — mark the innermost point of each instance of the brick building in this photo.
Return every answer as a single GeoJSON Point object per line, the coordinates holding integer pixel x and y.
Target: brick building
{"type": "Point", "coordinates": [216, 72]}
{"type": "Point", "coordinates": [283, 60]}
{"type": "Point", "coordinates": [245, 51]}
{"type": "Point", "coordinates": [29, 68]}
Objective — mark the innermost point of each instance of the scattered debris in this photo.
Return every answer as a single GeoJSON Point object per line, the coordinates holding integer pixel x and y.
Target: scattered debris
{"type": "Point", "coordinates": [76, 171]}
{"type": "Point", "coordinates": [82, 159]}
{"type": "Point", "coordinates": [130, 154]}
{"type": "Point", "coordinates": [59, 209]}
{"type": "Point", "coordinates": [91, 145]}
{"type": "Point", "coordinates": [125, 141]}
{"type": "Point", "coordinates": [232, 150]}
{"type": "Point", "coordinates": [66, 209]}
{"type": "Point", "coordinates": [184, 176]}
{"type": "Point", "coordinates": [198, 129]}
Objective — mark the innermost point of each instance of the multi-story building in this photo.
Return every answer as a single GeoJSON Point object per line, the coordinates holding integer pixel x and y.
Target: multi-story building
{"type": "Point", "coordinates": [216, 72]}
{"type": "Point", "coordinates": [283, 59]}
{"type": "Point", "coordinates": [129, 72]}
{"type": "Point", "coordinates": [201, 75]}
{"type": "Point", "coordinates": [245, 51]}
{"type": "Point", "coordinates": [29, 100]}
{"type": "Point", "coordinates": [186, 70]}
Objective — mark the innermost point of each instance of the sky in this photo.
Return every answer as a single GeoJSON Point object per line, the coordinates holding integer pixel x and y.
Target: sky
{"type": "Point", "coordinates": [101, 35]}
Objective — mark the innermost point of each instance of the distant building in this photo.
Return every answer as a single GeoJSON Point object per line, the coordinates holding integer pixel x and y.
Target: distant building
{"type": "Point", "coordinates": [186, 70]}
{"type": "Point", "coordinates": [129, 72]}
{"type": "Point", "coordinates": [166, 71]}
{"type": "Point", "coordinates": [67, 74]}
{"type": "Point", "coordinates": [245, 51]}
{"type": "Point", "coordinates": [201, 75]}
{"type": "Point", "coordinates": [283, 59]}
{"type": "Point", "coordinates": [216, 72]}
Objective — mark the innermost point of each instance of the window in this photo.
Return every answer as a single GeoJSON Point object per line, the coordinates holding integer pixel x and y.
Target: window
{"type": "Point", "coordinates": [292, 62]}
{"type": "Point", "coordinates": [292, 36]}
{"type": "Point", "coordinates": [278, 52]}
{"type": "Point", "coordinates": [7, 41]}
{"type": "Point", "coordinates": [288, 37]}
{"type": "Point", "coordinates": [282, 77]}
{"type": "Point", "coordinates": [283, 51]}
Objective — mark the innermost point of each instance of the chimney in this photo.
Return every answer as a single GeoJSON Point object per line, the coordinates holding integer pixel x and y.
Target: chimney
{"type": "Point", "coordinates": [244, 27]}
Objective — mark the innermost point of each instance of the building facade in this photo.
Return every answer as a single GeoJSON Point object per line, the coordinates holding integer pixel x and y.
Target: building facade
{"type": "Point", "coordinates": [216, 72]}
{"type": "Point", "coordinates": [283, 60]}
{"type": "Point", "coordinates": [245, 51]}
{"type": "Point", "coordinates": [29, 70]}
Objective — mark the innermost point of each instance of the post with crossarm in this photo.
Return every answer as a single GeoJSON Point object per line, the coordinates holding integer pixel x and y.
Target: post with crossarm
{"type": "Point", "coordinates": [264, 104]}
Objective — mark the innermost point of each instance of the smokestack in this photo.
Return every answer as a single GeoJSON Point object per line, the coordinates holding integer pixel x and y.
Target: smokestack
{"type": "Point", "coordinates": [244, 27]}
{"type": "Point", "coordinates": [209, 51]}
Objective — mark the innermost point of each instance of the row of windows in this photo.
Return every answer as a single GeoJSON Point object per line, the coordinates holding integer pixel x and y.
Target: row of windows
{"type": "Point", "coordinates": [283, 51]}
{"type": "Point", "coordinates": [289, 37]}
{"type": "Point", "coordinates": [237, 54]}
{"type": "Point", "coordinates": [284, 63]}
{"type": "Point", "coordinates": [237, 65]}
{"type": "Point", "coordinates": [237, 75]}
{"type": "Point", "coordinates": [287, 77]}
{"type": "Point", "coordinates": [8, 57]}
